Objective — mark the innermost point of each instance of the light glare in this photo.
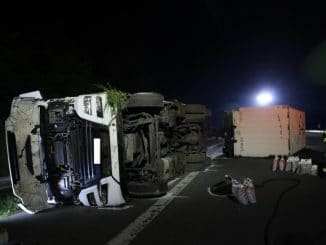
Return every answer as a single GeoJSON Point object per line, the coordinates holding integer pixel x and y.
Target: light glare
{"type": "Point", "coordinates": [264, 98]}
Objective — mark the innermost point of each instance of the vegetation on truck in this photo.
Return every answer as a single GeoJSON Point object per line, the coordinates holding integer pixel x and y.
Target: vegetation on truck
{"type": "Point", "coordinates": [115, 99]}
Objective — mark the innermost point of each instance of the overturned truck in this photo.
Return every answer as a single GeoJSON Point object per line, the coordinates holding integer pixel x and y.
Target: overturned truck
{"type": "Point", "coordinates": [81, 150]}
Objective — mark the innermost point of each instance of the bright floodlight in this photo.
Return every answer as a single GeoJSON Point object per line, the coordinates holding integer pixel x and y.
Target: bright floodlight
{"type": "Point", "coordinates": [264, 98]}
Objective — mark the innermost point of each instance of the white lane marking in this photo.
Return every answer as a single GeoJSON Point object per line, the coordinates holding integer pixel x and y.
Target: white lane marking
{"type": "Point", "coordinates": [170, 183]}
{"type": "Point", "coordinates": [168, 195]}
{"type": "Point", "coordinates": [209, 168]}
{"type": "Point", "coordinates": [115, 208]}
{"type": "Point", "coordinates": [132, 230]}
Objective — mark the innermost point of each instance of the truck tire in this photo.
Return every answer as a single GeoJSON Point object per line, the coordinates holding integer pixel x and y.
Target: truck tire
{"type": "Point", "coordinates": [196, 157]}
{"type": "Point", "coordinates": [194, 118]}
{"type": "Point", "coordinates": [195, 109]}
{"type": "Point", "coordinates": [147, 189]}
{"type": "Point", "coordinates": [146, 99]}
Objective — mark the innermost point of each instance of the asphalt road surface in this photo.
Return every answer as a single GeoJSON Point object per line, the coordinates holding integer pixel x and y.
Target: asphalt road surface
{"type": "Point", "coordinates": [314, 141]}
{"type": "Point", "coordinates": [189, 214]}
{"type": "Point", "coordinates": [4, 183]}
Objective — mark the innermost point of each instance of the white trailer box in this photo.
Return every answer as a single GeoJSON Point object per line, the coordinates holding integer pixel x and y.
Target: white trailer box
{"type": "Point", "coordinates": [269, 130]}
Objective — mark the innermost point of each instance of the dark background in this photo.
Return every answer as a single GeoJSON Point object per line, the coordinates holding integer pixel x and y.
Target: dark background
{"type": "Point", "coordinates": [197, 51]}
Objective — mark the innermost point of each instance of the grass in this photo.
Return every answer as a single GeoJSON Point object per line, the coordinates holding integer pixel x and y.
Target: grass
{"type": "Point", "coordinates": [8, 204]}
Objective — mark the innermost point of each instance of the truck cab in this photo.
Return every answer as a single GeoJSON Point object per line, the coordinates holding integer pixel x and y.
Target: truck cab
{"type": "Point", "coordinates": [63, 151]}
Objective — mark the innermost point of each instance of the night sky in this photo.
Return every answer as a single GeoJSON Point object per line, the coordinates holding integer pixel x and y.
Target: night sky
{"type": "Point", "coordinates": [197, 51]}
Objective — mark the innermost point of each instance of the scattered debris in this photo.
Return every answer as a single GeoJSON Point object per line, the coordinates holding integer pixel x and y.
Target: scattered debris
{"type": "Point", "coordinates": [295, 164]}
{"type": "Point", "coordinates": [243, 193]}
{"type": "Point", "coordinates": [250, 189]}
{"type": "Point", "coordinates": [116, 208]}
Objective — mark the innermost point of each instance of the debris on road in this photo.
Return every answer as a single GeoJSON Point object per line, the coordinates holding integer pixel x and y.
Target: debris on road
{"type": "Point", "coordinates": [295, 164]}
{"type": "Point", "coordinates": [243, 192]}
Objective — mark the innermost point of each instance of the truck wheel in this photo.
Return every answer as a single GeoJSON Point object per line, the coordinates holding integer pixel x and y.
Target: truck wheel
{"type": "Point", "coordinates": [196, 157]}
{"type": "Point", "coordinates": [195, 109]}
{"type": "Point", "coordinates": [147, 189]}
{"type": "Point", "coordinates": [146, 99]}
{"type": "Point", "coordinates": [194, 118]}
